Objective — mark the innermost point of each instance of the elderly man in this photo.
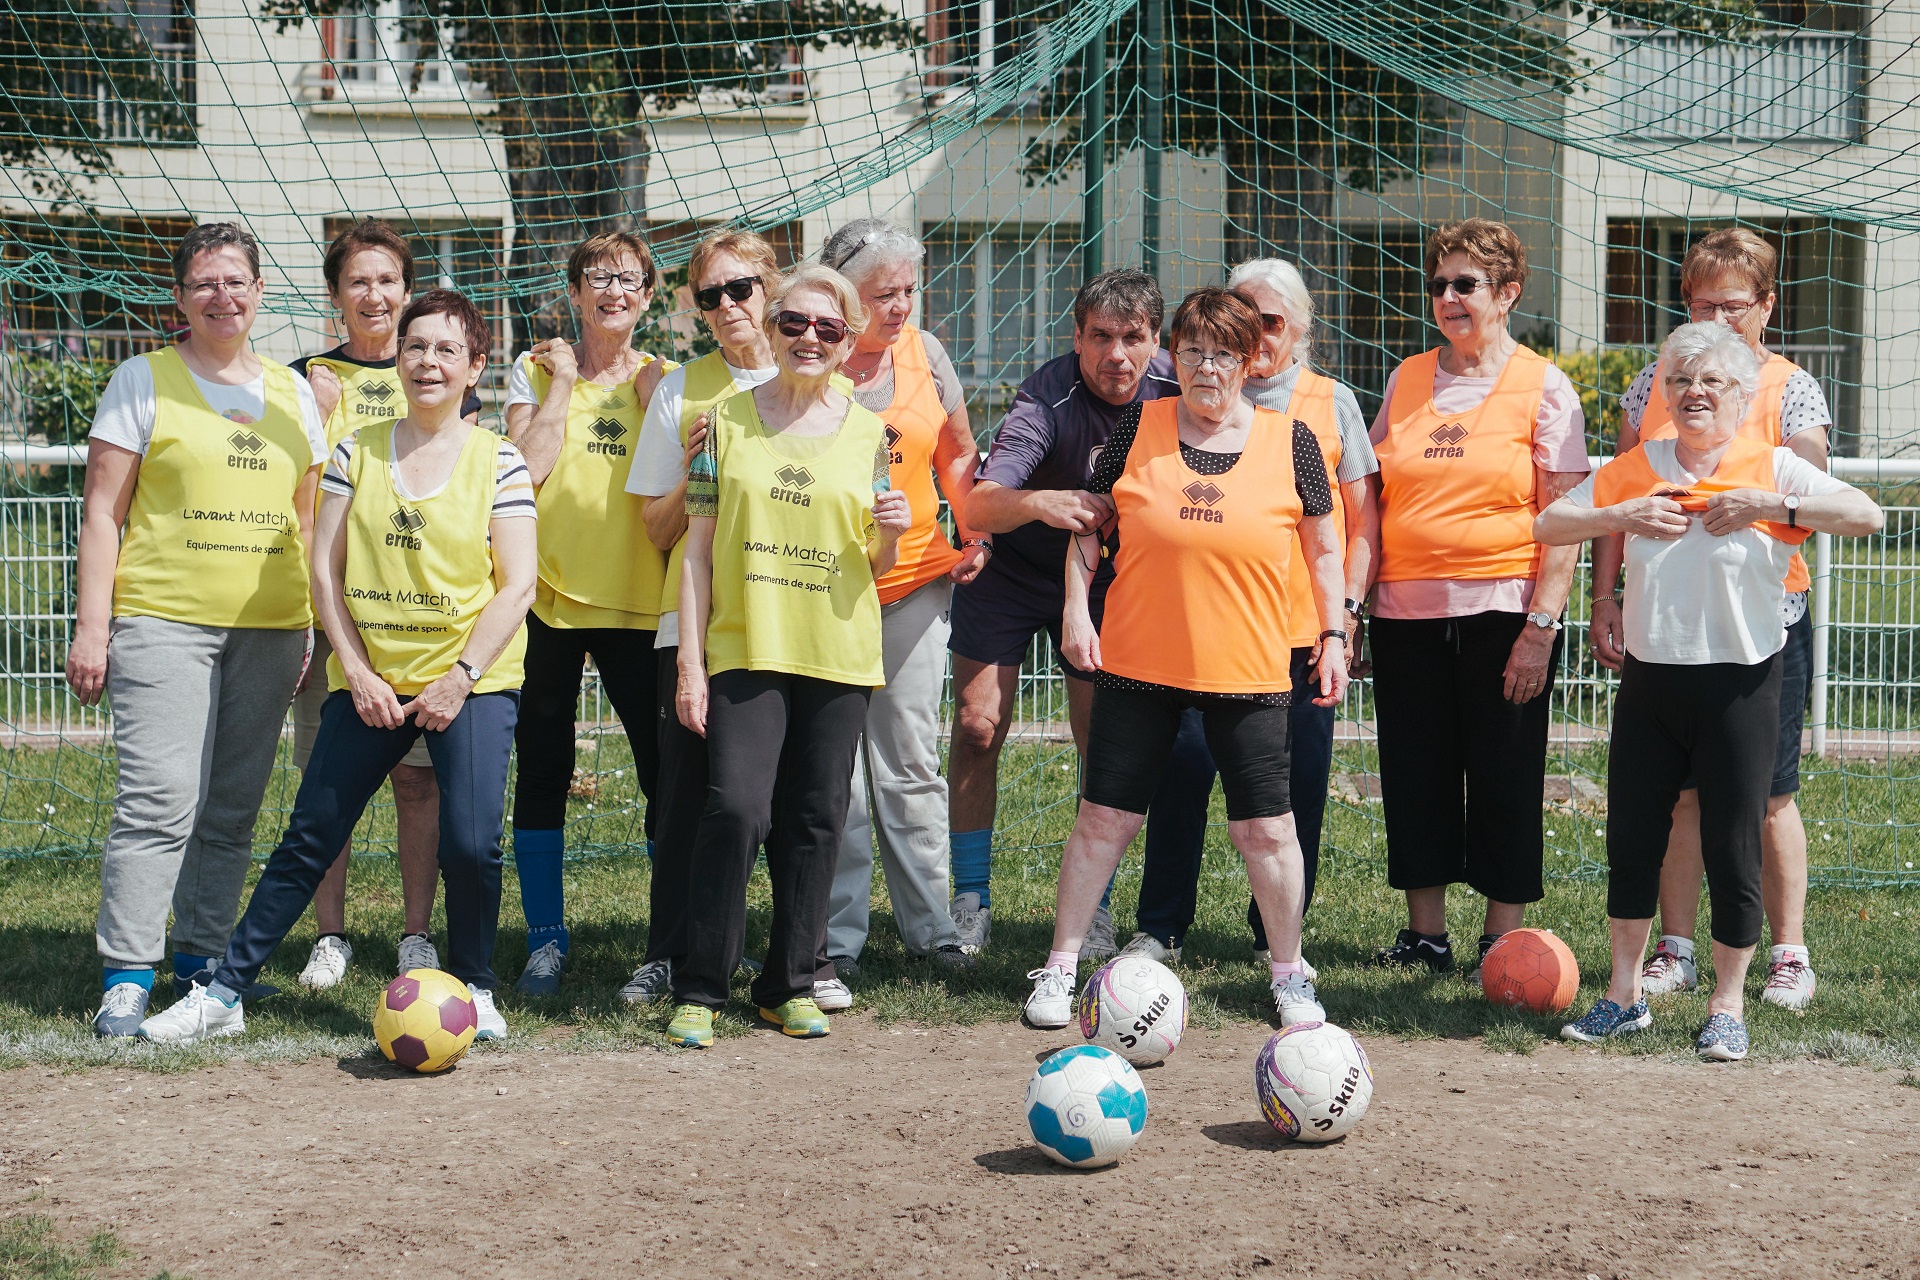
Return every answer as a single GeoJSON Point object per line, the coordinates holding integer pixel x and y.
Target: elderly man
{"type": "Point", "coordinates": [1031, 497]}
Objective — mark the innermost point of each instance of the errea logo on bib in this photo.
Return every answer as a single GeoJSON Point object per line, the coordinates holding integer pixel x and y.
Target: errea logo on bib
{"type": "Point", "coordinates": [407, 524]}
{"type": "Point", "coordinates": [373, 401]}
{"type": "Point", "coordinates": [792, 481]}
{"type": "Point", "coordinates": [1202, 497]}
{"type": "Point", "coordinates": [247, 448]}
{"type": "Point", "coordinates": [606, 433]}
{"type": "Point", "coordinates": [1446, 440]}
{"type": "Point", "coordinates": [894, 456]}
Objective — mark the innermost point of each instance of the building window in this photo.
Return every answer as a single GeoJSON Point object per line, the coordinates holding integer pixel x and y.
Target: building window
{"type": "Point", "coordinates": [92, 324]}
{"type": "Point", "coordinates": [1001, 299]}
{"type": "Point", "coordinates": [141, 78]}
{"type": "Point", "coordinates": [1387, 314]}
{"type": "Point", "coordinates": [394, 51]}
{"type": "Point", "coordinates": [968, 39]}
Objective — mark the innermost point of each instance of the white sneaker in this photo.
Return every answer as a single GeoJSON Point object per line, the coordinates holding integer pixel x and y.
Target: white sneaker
{"type": "Point", "coordinates": [1145, 944]}
{"type": "Point", "coordinates": [416, 952]}
{"type": "Point", "coordinates": [491, 1026]}
{"type": "Point", "coordinates": [198, 1015]}
{"type": "Point", "coordinates": [1790, 983]}
{"type": "Point", "coordinates": [832, 996]}
{"type": "Point", "coordinates": [1099, 945]}
{"type": "Point", "coordinates": [1051, 1004]}
{"type": "Point", "coordinates": [1263, 956]}
{"type": "Point", "coordinates": [1295, 1000]}
{"type": "Point", "coordinates": [1667, 972]}
{"type": "Point", "coordinates": [649, 982]}
{"type": "Point", "coordinates": [973, 922]}
{"type": "Point", "coordinates": [327, 966]}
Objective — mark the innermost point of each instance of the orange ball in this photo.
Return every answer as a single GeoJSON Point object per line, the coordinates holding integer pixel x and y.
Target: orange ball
{"type": "Point", "coordinates": [1531, 969]}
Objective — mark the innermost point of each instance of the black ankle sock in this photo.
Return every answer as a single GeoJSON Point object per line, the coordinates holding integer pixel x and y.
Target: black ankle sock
{"type": "Point", "coordinates": [1486, 943]}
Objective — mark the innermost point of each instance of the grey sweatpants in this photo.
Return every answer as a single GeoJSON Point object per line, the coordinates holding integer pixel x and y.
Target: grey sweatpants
{"type": "Point", "coordinates": [896, 775]}
{"type": "Point", "coordinates": [197, 713]}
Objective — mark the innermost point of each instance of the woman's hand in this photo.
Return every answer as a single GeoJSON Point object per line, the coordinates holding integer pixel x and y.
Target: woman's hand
{"type": "Point", "coordinates": [1736, 509]}
{"type": "Point", "coordinates": [690, 699]}
{"type": "Point", "coordinates": [327, 391]}
{"type": "Point", "coordinates": [1526, 674]}
{"type": "Point", "coordinates": [1331, 667]}
{"type": "Point", "coordinates": [1607, 628]}
{"type": "Point", "coordinates": [555, 355]}
{"type": "Point", "coordinates": [1079, 641]}
{"type": "Point", "coordinates": [374, 700]}
{"type": "Point", "coordinates": [892, 514]}
{"type": "Point", "coordinates": [435, 706]}
{"type": "Point", "coordinates": [87, 665]}
{"type": "Point", "coordinates": [1661, 518]}
{"type": "Point", "coordinates": [646, 380]}
{"type": "Point", "coordinates": [972, 560]}
{"type": "Point", "coordinates": [696, 441]}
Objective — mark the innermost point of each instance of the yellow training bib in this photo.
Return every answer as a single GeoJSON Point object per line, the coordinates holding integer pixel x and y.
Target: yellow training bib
{"type": "Point", "coordinates": [213, 536]}
{"type": "Point", "coordinates": [597, 568]}
{"type": "Point", "coordinates": [708, 383]}
{"type": "Point", "coordinates": [419, 570]}
{"type": "Point", "coordinates": [367, 396]}
{"type": "Point", "coordinates": [792, 588]}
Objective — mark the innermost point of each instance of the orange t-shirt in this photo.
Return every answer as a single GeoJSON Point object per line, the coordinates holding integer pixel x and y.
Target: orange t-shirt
{"type": "Point", "coordinates": [1312, 405]}
{"type": "Point", "coordinates": [1199, 595]}
{"type": "Point", "coordinates": [1457, 490]}
{"type": "Point", "coordinates": [1762, 423]}
{"type": "Point", "coordinates": [914, 420]}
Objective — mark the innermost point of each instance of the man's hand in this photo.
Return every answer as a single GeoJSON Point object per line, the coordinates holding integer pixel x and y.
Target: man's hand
{"type": "Point", "coordinates": [1074, 510]}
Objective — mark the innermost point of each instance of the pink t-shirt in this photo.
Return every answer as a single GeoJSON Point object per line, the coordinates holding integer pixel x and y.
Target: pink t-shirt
{"type": "Point", "coordinates": [1559, 444]}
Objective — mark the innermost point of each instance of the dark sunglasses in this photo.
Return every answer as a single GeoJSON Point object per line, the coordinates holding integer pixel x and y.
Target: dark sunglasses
{"type": "Point", "coordinates": [794, 325]}
{"type": "Point", "coordinates": [1271, 323]}
{"type": "Point", "coordinates": [739, 290]}
{"type": "Point", "coordinates": [1462, 286]}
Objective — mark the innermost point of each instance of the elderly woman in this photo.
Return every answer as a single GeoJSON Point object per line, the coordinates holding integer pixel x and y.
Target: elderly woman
{"type": "Point", "coordinates": [1474, 440]}
{"type": "Point", "coordinates": [1729, 275]}
{"type": "Point", "coordinates": [1710, 518]}
{"type": "Point", "coordinates": [1210, 493]}
{"type": "Point", "coordinates": [790, 524]}
{"type": "Point", "coordinates": [903, 374]}
{"type": "Point", "coordinates": [192, 614]}
{"type": "Point", "coordinates": [574, 411]}
{"type": "Point", "coordinates": [423, 569]}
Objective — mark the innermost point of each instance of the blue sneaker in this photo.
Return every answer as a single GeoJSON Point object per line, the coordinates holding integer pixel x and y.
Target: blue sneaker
{"type": "Point", "coordinates": [123, 1007]}
{"type": "Point", "coordinates": [1723, 1039]}
{"type": "Point", "coordinates": [1606, 1020]}
{"type": "Point", "coordinates": [541, 977]}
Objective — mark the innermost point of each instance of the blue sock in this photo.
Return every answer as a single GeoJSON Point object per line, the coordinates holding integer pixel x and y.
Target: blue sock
{"type": "Point", "coordinates": [111, 977]}
{"type": "Point", "coordinates": [537, 853]}
{"type": "Point", "coordinates": [973, 863]}
{"type": "Point", "coordinates": [1106, 896]}
{"type": "Point", "coordinates": [187, 965]}
{"type": "Point", "coordinates": [649, 851]}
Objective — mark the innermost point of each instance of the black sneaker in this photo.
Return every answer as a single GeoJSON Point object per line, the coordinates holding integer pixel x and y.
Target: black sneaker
{"type": "Point", "coordinates": [1486, 944]}
{"type": "Point", "coordinates": [1410, 949]}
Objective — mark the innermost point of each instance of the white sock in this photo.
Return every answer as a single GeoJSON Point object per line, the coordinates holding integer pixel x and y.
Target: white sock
{"type": "Point", "coordinates": [1785, 952]}
{"type": "Point", "coordinates": [1682, 947]}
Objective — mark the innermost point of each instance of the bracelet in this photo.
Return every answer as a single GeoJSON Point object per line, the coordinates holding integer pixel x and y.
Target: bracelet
{"type": "Point", "coordinates": [1335, 634]}
{"type": "Point", "coordinates": [1613, 596]}
{"type": "Point", "coordinates": [978, 542]}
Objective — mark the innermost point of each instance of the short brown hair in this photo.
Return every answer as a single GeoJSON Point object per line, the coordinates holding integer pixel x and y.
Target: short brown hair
{"type": "Point", "coordinates": [1491, 244]}
{"type": "Point", "coordinates": [608, 246]}
{"type": "Point", "coordinates": [1733, 251]}
{"type": "Point", "coordinates": [214, 235]}
{"type": "Point", "coordinates": [748, 246]}
{"type": "Point", "coordinates": [1124, 294]}
{"type": "Point", "coordinates": [369, 233]}
{"type": "Point", "coordinates": [460, 309]}
{"type": "Point", "coordinates": [1220, 316]}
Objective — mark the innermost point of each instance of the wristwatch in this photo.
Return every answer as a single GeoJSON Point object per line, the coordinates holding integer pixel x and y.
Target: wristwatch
{"type": "Point", "coordinates": [1545, 621]}
{"type": "Point", "coordinates": [1353, 607]}
{"type": "Point", "coordinates": [1792, 502]}
{"type": "Point", "coordinates": [473, 673]}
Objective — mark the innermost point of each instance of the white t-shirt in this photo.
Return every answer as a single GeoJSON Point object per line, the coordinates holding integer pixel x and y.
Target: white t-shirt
{"type": "Point", "coordinates": [129, 405]}
{"type": "Point", "coordinates": [659, 459]}
{"type": "Point", "coordinates": [1700, 598]}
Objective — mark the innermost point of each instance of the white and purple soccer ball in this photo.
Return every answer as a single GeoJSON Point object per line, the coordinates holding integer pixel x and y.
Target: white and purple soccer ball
{"type": "Point", "coordinates": [1313, 1081]}
{"type": "Point", "coordinates": [1086, 1106]}
{"type": "Point", "coordinates": [1136, 1007]}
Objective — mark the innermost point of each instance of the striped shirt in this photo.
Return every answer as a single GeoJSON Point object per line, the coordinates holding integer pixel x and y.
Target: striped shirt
{"type": "Point", "coordinates": [512, 486]}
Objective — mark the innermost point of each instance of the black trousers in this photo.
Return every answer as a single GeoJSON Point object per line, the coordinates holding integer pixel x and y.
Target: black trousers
{"type": "Point", "coordinates": [780, 773]}
{"type": "Point", "coordinates": [1719, 724]}
{"type": "Point", "coordinates": [1462, 770]}
{"type": "Point", "coordinates": [681, 797]}
{"type": "Point", "coordinates": [549, 709]}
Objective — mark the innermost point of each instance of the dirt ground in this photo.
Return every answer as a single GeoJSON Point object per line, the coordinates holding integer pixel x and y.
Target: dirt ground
{"type": "Point", "coordinates": [897, 1152]}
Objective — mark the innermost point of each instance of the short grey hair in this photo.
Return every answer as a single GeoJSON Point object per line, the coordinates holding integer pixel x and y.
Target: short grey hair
{"type": "Point", "coordinates": [1712, 345]}
{"type": "Point", "coordinates": [860, 247]}
{"type": "Point", "coordinates": [1296, 303]}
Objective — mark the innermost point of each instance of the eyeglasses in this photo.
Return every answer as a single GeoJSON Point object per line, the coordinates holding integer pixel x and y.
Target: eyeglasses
{"type": "Point", "coordinates": [794, 325]}
{"type": "Point", "coordinates": [630, 281]}
{"type": "Point", "coordinates": [208, 288]}
{"type": "Point", "coordinates": [1271, 323]}
{"type": "Point", "coordinates": [1734, 312]}
{"type": "Point", "coordinates": [739, 290]}
{"type": "Point", "coordinates": [444, 352]}
{"type": "Point", "coordinates": [1194, 357]}
{"type": "Point", "coordinates": [1462, 286]}
{"type": "Point", "coordinates": [1679, 384]}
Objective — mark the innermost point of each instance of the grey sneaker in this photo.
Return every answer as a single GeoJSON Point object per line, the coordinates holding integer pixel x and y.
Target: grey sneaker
{"type": "Point", "coordinates": [1145, 944]}
{"type": "Point", "coordinates": [950, 955]}
{"type": "Point", "coordinates": [1263, 957]}
{"type": "Point", "coordinates": [1099, 945]}
{"type": "Point", "coordinates": [1666, 972]}
{"type": "Point", "coordinates": [1051, 1004]}
{"type": "Point", "coordinates": [491, 1025]}
{"type": "Point", "coordinates": [1295, 1000]}
{"type": "Point", "coordinates": [123, 1007]}
{"type": "Point", "coordinates": [651, 981]}
{"type": "Point", "coordinates": [832, 996]}
{"type": "Point", "coordinates": [416, 952]}
{"type": "Point", "coordinates": [541, 977]}
{"type": "Point", "coordinates": [327, 965]}
{"type": "Point", "coordinates": [198, 1015]}
{"type": "Point", "coordinates": [972, 921]}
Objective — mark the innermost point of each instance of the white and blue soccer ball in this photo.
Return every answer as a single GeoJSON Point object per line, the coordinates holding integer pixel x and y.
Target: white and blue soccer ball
{"type": "Point", "coordinates": [1136, 1007]}
{"type": "Point", "coordinates": [1313, 1081]}
{"type": "Point", "coordinates": [1086, 1106]}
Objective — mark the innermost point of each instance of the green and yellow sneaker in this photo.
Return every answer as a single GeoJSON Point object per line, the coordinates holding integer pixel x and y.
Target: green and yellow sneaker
{"type": "Point", "coordinates": [799, 1016]}
{"type": "Point", "coordinates": [692, 1027]}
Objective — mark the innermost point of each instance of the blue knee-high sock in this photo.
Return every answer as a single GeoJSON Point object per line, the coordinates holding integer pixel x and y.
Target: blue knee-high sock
{"type": "Point", "coordinates": [111, 977]}
{"type": "Point", "coordinates": [537, 854]}
{"type": "Point", "coordinates": [186, 966]}
{"type": "Point", "coordinates": [973, 863]}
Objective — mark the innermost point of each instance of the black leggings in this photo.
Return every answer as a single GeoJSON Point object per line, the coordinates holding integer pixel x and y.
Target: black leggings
{"type": "Point", "coordinates": [780, 773]}
{"type": "Point", "coordinates": [1718, 723]}
{"type": "Point", "coordinates": [1130, 738]}
{"type": "Point", "coordinates": [683, 793]}
{"type": "Point", "coordinates": [550, 704]}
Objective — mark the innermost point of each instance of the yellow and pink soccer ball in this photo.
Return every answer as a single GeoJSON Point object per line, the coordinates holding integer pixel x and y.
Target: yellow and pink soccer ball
{"type": "Point", "coordinates": [425, 1020]}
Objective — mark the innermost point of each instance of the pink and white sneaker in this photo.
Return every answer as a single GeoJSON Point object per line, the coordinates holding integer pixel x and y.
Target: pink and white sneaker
{"type": "Point", "coordinates": [1790, 981]}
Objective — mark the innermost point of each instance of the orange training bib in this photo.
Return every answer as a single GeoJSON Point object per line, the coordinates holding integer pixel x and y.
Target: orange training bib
{"type": "Point", "coordinates": [1312, 404]}
{"type": "Point", "coordinates": [914, 421]}
{"type": "Point", "coordinates": [1747, 464]}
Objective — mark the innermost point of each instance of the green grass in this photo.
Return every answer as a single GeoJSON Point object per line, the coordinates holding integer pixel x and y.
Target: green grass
{"type": "Point", "coordinates": [31, 1249]}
